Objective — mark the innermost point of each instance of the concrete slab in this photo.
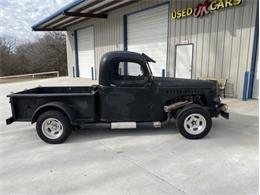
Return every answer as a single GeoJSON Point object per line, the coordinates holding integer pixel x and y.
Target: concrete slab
{"type": "Point", "coordinates": [147, 161]}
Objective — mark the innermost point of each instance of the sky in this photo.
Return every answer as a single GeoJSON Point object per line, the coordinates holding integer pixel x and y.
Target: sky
{"type": "Point", "coordinates": [17, 17]}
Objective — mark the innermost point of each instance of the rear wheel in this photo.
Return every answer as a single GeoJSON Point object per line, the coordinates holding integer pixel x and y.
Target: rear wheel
{"type": "Point", "coordinates": [194, 123]}
{"type": "Point", "coordinates": [53, 127]}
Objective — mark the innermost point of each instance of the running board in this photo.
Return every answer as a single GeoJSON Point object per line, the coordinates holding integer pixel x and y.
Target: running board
{"type": "Point", "coordinates": [126, 125]}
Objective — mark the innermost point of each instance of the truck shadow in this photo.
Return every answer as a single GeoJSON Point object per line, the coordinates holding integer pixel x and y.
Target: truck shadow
{"type": "Point", "coordinates": [239, 126]}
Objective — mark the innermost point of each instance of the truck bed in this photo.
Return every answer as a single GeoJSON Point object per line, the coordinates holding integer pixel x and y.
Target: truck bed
{"type": "Point", "coordinates": [79, 99]}
{"type": "Point", "coordinates": [55, 90]}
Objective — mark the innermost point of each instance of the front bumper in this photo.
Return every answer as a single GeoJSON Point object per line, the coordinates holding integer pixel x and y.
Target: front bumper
{"type": "Point", "coordinates": [223, 110]}
{"type": "Point", "coordinates": [225, 115]}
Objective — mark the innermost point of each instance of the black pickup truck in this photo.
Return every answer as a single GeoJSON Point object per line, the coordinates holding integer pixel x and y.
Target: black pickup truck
{"type": "Point", "coordinates": [128, 96]}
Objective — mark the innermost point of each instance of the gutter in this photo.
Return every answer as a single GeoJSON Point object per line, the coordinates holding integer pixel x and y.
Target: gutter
{"type": "Point", "coordinates": [57, 13]}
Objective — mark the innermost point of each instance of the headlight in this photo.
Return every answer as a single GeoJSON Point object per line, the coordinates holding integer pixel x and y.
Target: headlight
{"type": "Point", "coordinates": [224, 107]}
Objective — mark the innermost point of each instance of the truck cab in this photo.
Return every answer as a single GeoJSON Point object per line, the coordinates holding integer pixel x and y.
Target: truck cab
{"type": "Point", "coordinates": [128, 89]}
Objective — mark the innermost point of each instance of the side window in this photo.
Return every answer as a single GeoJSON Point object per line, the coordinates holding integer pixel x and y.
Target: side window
{"type": "Point", "coordinates": [127, 72]}
{"type": "Point", "coordinates": [134, 70]}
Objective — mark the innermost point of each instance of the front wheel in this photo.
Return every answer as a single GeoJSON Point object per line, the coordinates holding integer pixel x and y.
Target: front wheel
{"type": "Point", "coordinates": [53, 127]}
{"type": "Point", "coordinates": [194, 123]}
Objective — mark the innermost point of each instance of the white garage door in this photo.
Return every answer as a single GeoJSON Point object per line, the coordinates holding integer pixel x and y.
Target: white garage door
{"type": "Point", "coordinates": [86, 52]}
{"type": "Point", "coordinates": [147, 33]}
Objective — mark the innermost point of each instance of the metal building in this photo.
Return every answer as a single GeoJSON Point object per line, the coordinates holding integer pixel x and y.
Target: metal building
{"type": "Point", "coordinates": [188, 39]}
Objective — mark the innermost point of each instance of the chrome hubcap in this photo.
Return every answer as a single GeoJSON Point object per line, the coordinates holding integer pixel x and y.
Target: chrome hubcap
{"type": "Point", "coordinates": [52, 128]}
{"type": "Point", "coordinates": [195, 124]}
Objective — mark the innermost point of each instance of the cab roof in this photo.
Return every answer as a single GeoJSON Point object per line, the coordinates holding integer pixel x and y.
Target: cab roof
{"type": "Point", "coordinates": [123, 56]}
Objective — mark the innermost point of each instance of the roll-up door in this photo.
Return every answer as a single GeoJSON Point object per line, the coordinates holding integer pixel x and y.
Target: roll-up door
{"type": "Point", "coordinates": [86, 56]}
{"type": "Point", "coordinates": [147, 33]}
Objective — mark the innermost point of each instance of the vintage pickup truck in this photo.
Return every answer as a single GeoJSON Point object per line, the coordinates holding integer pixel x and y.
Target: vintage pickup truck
{"type": "Point", "coordinates": [128, 96]}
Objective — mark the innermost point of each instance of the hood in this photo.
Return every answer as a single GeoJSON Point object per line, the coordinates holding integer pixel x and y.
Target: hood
{"type": "Point", "coordinates": [183, 83]}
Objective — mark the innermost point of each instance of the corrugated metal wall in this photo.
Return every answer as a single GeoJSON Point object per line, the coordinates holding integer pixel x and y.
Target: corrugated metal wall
{"type": "Point", "coordinates": [222, 41]}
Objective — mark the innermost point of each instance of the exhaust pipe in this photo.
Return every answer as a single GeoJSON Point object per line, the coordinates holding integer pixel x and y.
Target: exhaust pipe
{"type": "Point", "coordinates": [134, 125]}
{"type": "Point", "coordinates": [176, 105]}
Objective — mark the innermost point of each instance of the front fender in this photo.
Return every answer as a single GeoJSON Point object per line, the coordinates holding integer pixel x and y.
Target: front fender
{"type": "Point", "coordinates": [60, 106]}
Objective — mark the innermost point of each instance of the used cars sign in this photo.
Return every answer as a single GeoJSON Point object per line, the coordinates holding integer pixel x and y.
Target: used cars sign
{"type": "Point", "coordinates": [205, 8]}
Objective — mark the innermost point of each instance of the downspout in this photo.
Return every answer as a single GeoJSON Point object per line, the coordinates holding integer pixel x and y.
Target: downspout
{"type": "Point", "coordinates": [76, 53]}
{"type": "Point", "coordinates": [254, 54]}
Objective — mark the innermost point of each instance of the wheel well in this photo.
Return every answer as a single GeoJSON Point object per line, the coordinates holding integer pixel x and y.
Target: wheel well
{"type": "Point", "coordinates": [45, 109]}
{"type": "Point", "coordinates": [201, 100]}
{"type": "Point", "coordinates": [196, 99]}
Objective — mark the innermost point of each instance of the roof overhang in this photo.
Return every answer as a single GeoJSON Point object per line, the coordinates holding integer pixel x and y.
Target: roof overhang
{"type": "Point", "coordinates": [77, 11]}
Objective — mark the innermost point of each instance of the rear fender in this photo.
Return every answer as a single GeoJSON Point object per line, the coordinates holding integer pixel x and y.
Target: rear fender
{"type": "Point", "coordinates": [59, 106]}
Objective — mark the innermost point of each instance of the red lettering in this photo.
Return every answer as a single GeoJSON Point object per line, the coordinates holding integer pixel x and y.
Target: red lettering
{"type": "Point", "coordinates": [202, 9]}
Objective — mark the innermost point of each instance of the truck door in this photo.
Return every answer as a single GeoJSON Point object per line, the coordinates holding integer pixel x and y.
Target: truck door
{"type": "Point", "coordinates": [131, 96]}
